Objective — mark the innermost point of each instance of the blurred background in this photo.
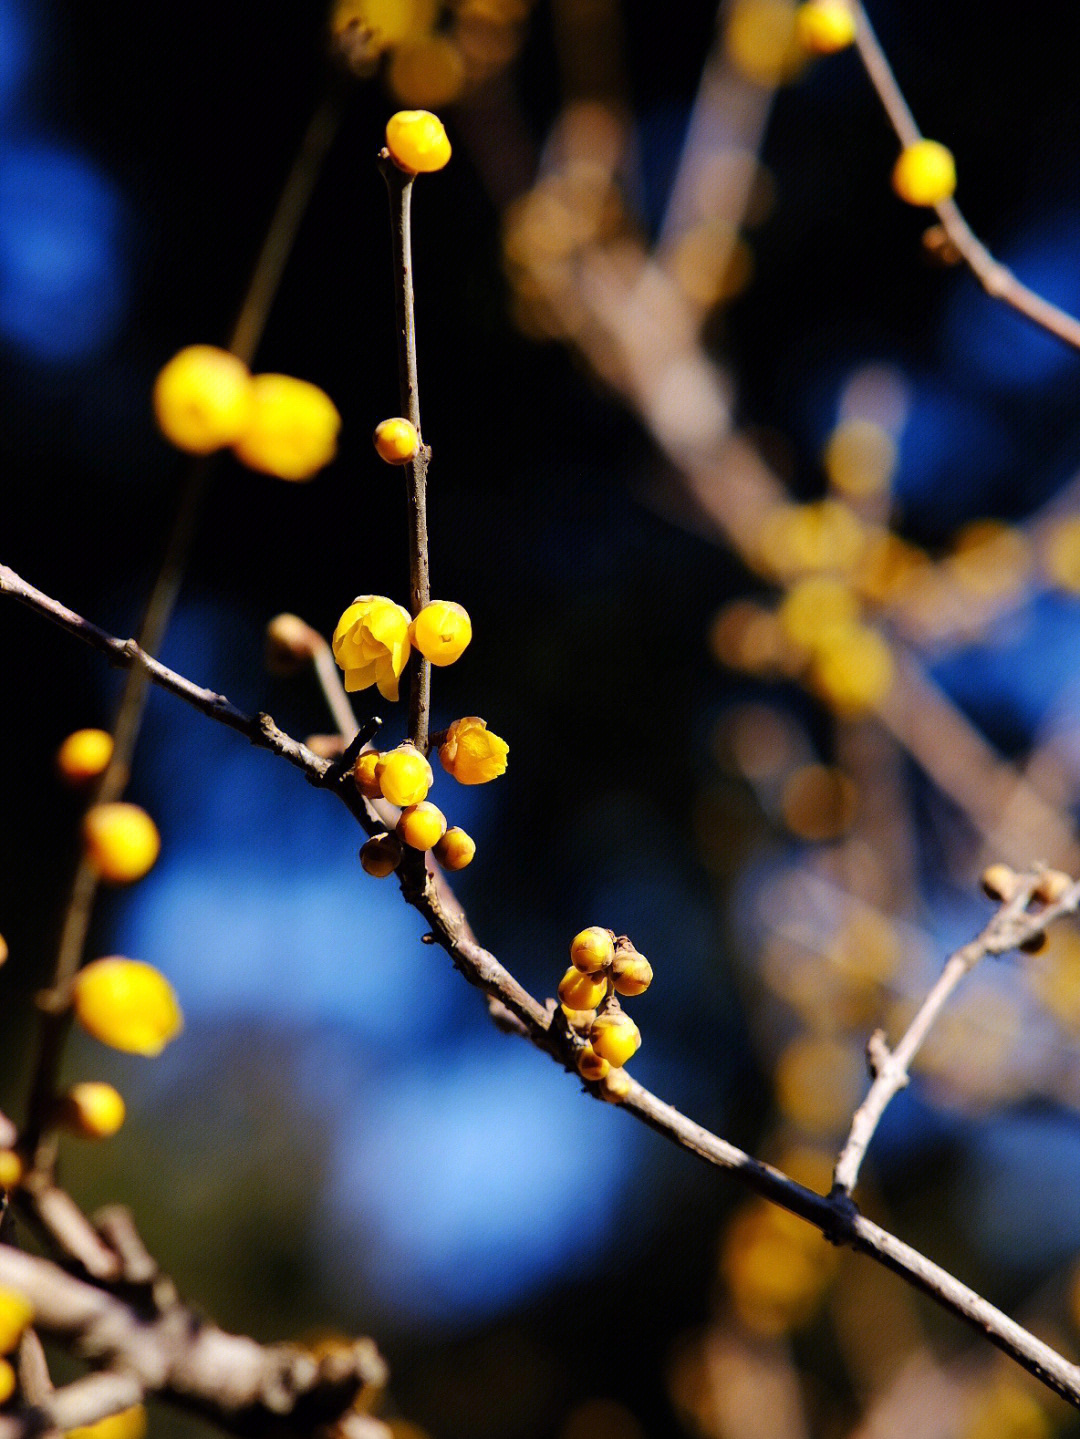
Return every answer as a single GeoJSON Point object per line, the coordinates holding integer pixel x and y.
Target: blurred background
{"type": "Point", "coordinates": [768, 522]}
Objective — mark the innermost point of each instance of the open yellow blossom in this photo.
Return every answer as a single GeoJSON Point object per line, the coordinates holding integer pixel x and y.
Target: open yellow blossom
{"type": "Point", "coordinates": [371, 644]}
{"type": "Point", "coordinates": [16, 1312]}
{"type": "Point", "coordinates": [441, 631]}
{"type": "Point", "coordinates": [127, 1004]}
{"type": "Point", "coordinates": [471, 753]}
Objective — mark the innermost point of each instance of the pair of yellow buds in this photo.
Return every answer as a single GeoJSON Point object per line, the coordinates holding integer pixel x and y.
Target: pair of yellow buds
{"type": "Point", "coordinates": [206, 398]}
{"type": "Point", "coordinates": [468, 751]}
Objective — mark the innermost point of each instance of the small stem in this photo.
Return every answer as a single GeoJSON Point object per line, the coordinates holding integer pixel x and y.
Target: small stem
{"type": "Point", "coordinates": [334, 693]}
{"type": "Point", "coordinates": [399, 187]}
{"type": "Point", "coordinates": [892, 1067]}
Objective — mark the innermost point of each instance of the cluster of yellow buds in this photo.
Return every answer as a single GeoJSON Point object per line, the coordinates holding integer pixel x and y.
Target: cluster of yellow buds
{"type": "Point", "coordinates": [16, 1314]}
{"type": "Point", "coordinates": [602, 967]}
{"type": "Point", "coordinates": [375, 637]}
{"type": "Point", "coordinates": [469, 752]}
{"type": "Point", "coordinates": [206, 399]}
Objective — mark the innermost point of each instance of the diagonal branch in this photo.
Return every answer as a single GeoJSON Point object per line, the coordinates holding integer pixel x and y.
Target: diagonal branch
{"type": "Point", "coordinates": [836, 1216]}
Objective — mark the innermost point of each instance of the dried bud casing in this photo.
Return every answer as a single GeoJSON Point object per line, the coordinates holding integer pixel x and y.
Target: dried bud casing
{"type": "Point", "coordinates": [291, 644]}
{"type": "Point", "coordinates": [381, 855]}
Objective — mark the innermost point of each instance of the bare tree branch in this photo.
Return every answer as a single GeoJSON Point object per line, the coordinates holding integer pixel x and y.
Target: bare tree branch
{"type": "Point", "coordinates": [836, 1216]}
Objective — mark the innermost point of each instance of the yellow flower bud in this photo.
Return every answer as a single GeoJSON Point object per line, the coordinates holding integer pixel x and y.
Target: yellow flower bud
{"type": "Point", "coordinates": [632, 971]}
{"type": "Point", "coordinates": [616, 1037]}
{"type": "Point", "coordinates": [292, 429]}
{"type": "Point", "coordinates": [12, 1169]}
{"type": "Point", "coordinates": [367, 781]}
{"type": "Point", "coordinates": [3, 949]}
{"type": "Point", "coordinates": [441, 632]}
{"type": "Point", "coordinates": [122, 841]}
{"type": "Point", "coordinates": [1052, 886]}
{"type": "Point", "coordinates": [592, 949]}
{"type": "Point", "coordinates": [456, 849]}
{"type": "Point", "coordinates": [291, 644]}
{"type": "Point", "coordinates": [371, 644]}
{"type": "Point", "coordinates": [203, 399]}
{"type": "Point", "coordinates": [127, 1004]}
{"type": "Point", "coordinates": [396, 441]}
{"type": "Point", "coordinates": [84, 755]}
{"type": "Point", "coordinates": [615, 1086]}
{"type": "Point", "coordinates": [16, 1312]}
{"type": "Point", "coordinates": [92, 1110]}
{"type": "Point", "coordinates": [128, 1424]}
{"type": "Point", "coordinates": [417, 141]}
{"type": "Point", "coordinates": [404, 776]}
{"type": "Point", "coordinates": [925, 173]}
{"type": "Point", "coordinates": [7, 1381]}
{"type": "Point", "coordinates": [824, 26]}
{"type": "Point", "coordinates": [421, 825]}
{"type": "Point", "coordinates": [581, 991]}
{"type": "Point", "coordinates": [998, 882]}
{"type": "Point", "coordinates": [592, 1066]}
{"type": "Point", "coordinates": [471, 753]}
{"type": "Point", "coordinates": [381, 855]}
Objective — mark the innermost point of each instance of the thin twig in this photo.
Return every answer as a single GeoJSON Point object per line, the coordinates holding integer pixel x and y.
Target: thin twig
{"type": "Point", "coordinates": [334, 693]}
{"type": "Point", "coordinates": [892, 1067]}
{"type": "Point", "coordinates": [243, 342]}
{"type": "Point", "coordinates": [399, 186]}
{"type": "Point", "coordinates": [996, 279]}
{"type": "Point", "coordinates": [836, 1215]}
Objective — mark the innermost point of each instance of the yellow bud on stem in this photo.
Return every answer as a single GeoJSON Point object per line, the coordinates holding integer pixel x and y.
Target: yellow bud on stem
{"type": "Point", "coordinates": [122, 841]}
{"type": "Point", "coordinates": [581, 991]}
{"type": "Point", "coordinates": [127, 1004]}
{"type": "Point", "coordinates": [456, 849]}
{"type": "Point", "coordinates": [396, 441]}
{"type": "Point", "coordinates": [417, 141]}
{"type": "Point", "coordinates": [925, 173]}
{"type": "Point", "coordinates": [421, 825]}
{"type": "Point", "coordinates": [404, 776]}
{"type": "Point", "coordinates": [92, 1110]}
{"type": "Point", "coordinates": [84, 755]}
{"type": "Point", "coordinates": [381, 855]}
{"type": "Point", "coordinates": [592, 949]}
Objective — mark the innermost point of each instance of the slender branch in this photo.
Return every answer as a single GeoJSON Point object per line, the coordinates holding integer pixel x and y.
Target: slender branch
{"type": "Point", "coordinates": [337, 700]}
{"type": "Point", "coordinates": [836, 1215]}
{"type": "Point", "coordinates": [399, 187]}
{"type": "Point", "coordinates": [244, 340]}
{"type": "Point", "coordinates": [996, 279]}
{"type": "Point", "coordinates": [892, 1067]}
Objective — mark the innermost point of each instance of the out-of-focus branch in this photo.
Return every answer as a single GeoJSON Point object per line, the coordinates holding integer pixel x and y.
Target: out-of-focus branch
{"type": "Point", "coordinates": [835, 1216]}
{"type": "Point", "coordinates": [996, 279]}
{"type": "Point", "coordinates": [247, 1388]}
{"type": "Point", "coordinates": [891, 1067]}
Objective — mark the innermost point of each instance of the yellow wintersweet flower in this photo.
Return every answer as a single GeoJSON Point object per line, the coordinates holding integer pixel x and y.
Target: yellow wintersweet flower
{"type": "Point", "coordinates": [121, 840]}
{"type": "Point", "coordinates": [7, 1381]}
{"type": "Point", "coordinates": [925, 173]}
{"type": "Point", "coordinates": [128, 1424]}
{"type": "Point", "coordinates": [16, 1312]}
{"type": "Point", "coordinates": [417, 141]}
{"type": "Point", "coordinates": [292, 429]}
{"type": "Point", "coordinates": [202, 399]}
{"type": "Point", "coordinates": [84, 755]}
{"type": "Point", "coordinates": [371, 644]}
{"type": "Point", "coordinates": [441, 631]}
{"type": "Point", "coordinates": [127, 1004]}
{"type": "Point", "coordinates": [471, 753]}
{"type": "Point", "coordinates": [92, 1110]}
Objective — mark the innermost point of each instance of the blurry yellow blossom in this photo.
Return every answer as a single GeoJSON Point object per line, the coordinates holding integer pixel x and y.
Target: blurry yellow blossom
{"type": "Point", "coordinates": [990, 560]}
{"type": "Point", "coordinates": [1061, 554]}
{"type": "Point", "coordinates": [127, 1004]}
{"type": "Point", "coordinates": [16, 1312]}
{"type": "Point", "coordinates": [818, 802]}
{"type": "Point", "coordinates": [814, 609]}
{"type": "Point", "coordinates": [1004, 1410]}
{"type": "Point", "coordinates": [777, 1268]}
{"type": "Point", "coordinates": [860, 458]}
{"type": "Point", "coordinates": [202, 399]}
{"type": "Point", "coordinates": [825, 26]}
{"type": "Point", "coordinates": [292, 429]}
{"type": "Point", "coordinates": [121, 841]}
{"type": "Point", "coordinates": [800, 539]}
{"type": "Point", "coordinates": [925, 173]}
{"type": "Point", "coordinates": [853, 670]}
{"type": "Point", "coordinates": [471, 753]}
{"type": "Point", "coordinates": [761, 42]}
{"type": "Point", "coordinates": [889, 567]}
{"type": "Point", "coordinates": [427, 72]}
{"type": "Point", "coordinates": [92, 1110]}
{"type": "Point", "coordinates": [1055, 977]}
{"type": "Point", "coordinates": [371, 644]}
{"type": "Point", "coordinates": [819, 1082]}
{"type": "Point", "coordinates": [12, 1168]}
{"type": "Point", "coordinates": [386, 22]}
{"type": "Point", "coordinates": [711, 263]}
{"type": "Point", "coordinates": [128, 1424]}
{"type": "Point", "coordinates": [84, 755]}
{"type": "Point", "coordinates": [746, 636]}
{"type": "Point", "coordinates": [7, 1381]}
